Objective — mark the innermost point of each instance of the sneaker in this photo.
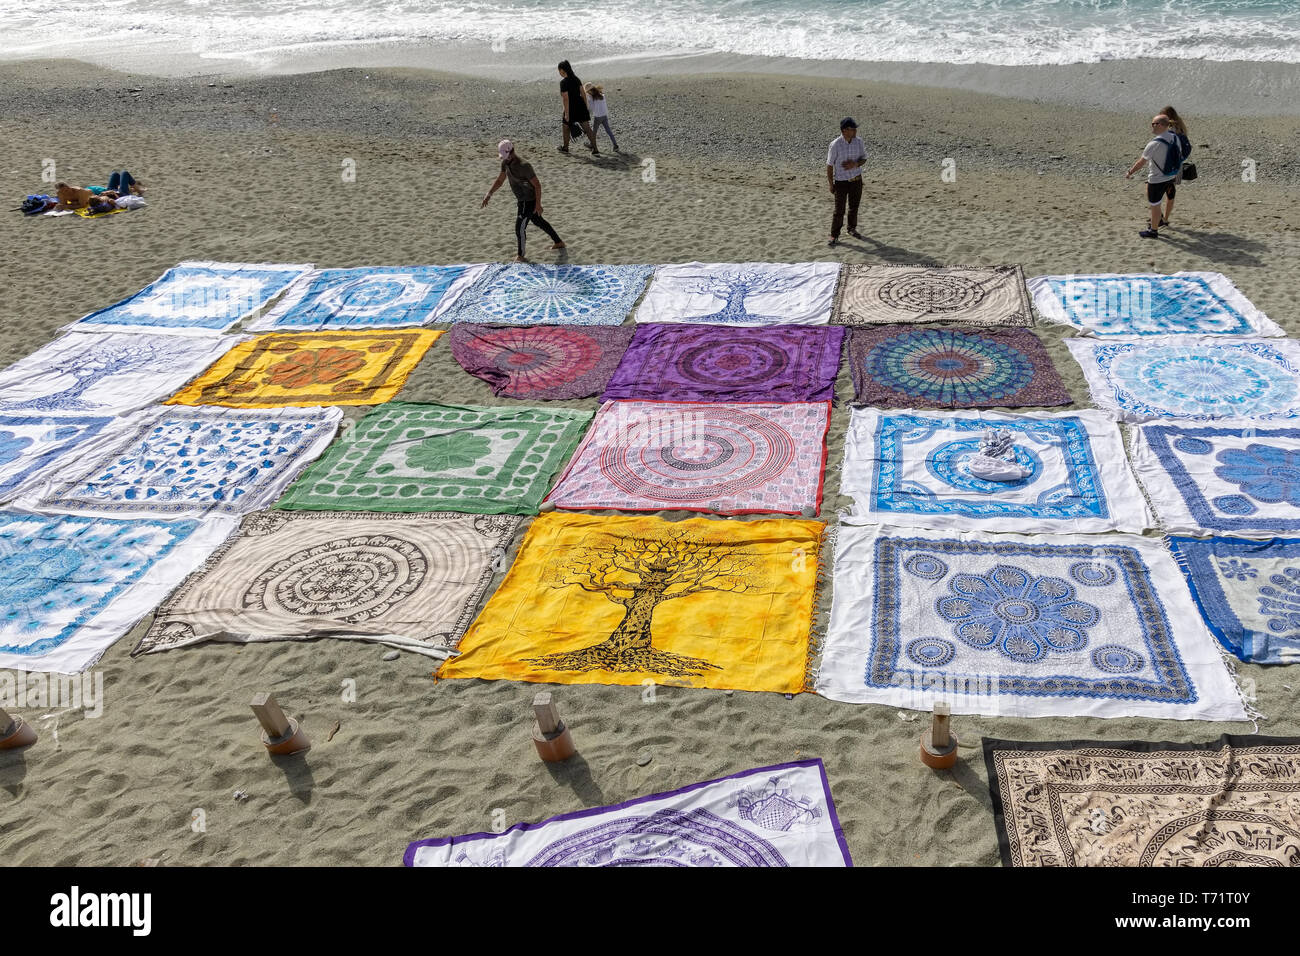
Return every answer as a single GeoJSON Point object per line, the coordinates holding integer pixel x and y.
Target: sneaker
{"type": "Point", "coordinates": [562, 149]}
{"type": "Point", "coordinates": [832, 241]}
{"type": "Point", "coordinates": [1164, 221]}
{"type": "Point", "coordinates": [1149, 234]}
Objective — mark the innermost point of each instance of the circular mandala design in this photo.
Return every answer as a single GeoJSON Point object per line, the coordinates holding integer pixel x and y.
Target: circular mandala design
{"type": "Point", "coordinates": [735, 359]}
{"type": "Point", "coordinates": [372, 294]}
{"type": "Point", "coordinates": [928, 292]}
{"type": "Point", "coordinates": [1210, 381]}
{"type": "Point", "coordinates": [925, 566]}
{"type": "Point", "coordinates": [539, 359]}
{"type": "Point", "coordinates": [551, 296]}
{"type": "Point", "coordinates": [716, 456]}
{"type": "Point", "coordinates": [1115, 659]}
{"type": "Point", "coordinates": [1235, 505]}
{"type": "Point", "coordinates": [1192, 446]}
{"type": "Point", "coordinates": [949, 367]}
{"type": "Point", "coordinates": [1092, 573]}
{"type": "Point", "coordinates": [350, 579]}
{"type": "Point", "coordinates": [931, 651]}
{"type": "Point", "coordinates": [950, 464]}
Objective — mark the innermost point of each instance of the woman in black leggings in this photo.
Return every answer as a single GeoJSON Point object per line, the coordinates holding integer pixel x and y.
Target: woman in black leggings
{"type": "Point", "coordinates": [528, 194]}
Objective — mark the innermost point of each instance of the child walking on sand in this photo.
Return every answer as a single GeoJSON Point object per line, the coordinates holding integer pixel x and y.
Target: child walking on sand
{"type": "Point", "coordinates": [599, 108]}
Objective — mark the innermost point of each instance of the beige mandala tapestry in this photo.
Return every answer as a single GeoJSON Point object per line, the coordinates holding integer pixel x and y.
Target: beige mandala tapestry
{"type": "Point", "coordinates": [1232, 802]}
{"type": "Point", "coordinates": [881, 295]}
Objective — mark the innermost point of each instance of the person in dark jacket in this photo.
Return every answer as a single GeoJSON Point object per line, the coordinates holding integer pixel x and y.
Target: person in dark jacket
{"type": "Point", "coordinates": [575, 107]}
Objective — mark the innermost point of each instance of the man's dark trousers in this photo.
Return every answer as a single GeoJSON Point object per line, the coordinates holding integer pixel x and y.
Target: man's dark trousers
{"type": "Point", "coordinates": [849, 190]}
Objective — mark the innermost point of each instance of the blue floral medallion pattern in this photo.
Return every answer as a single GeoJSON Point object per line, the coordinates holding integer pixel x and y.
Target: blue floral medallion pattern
{"type": "Point", "coordinates": [552, 295]}
{"type": "Point", "coordinates": [369, 298]}
{"type": "Point", "coordinates": [1146, 305]}
{"type": "Point", "coordinates": [1068, 620]}
{"type": "Point", "coordinates": [949, 367]}
{"type": "Point", "coordinates": [1248, 592]}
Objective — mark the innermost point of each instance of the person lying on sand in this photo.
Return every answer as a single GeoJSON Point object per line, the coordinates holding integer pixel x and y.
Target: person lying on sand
{"type": "Point", "coordinates": [72, 197]}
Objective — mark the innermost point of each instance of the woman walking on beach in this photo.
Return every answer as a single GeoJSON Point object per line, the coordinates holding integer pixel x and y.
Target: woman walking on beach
{"type": "Point", "coordinates": [575, 107]}
{"type": "Point", "coordinates": [1180, 129]}
{"type": "Point", "coordinates": [599, 111]}
{"type": "Point", "coordinates": [528, 196]}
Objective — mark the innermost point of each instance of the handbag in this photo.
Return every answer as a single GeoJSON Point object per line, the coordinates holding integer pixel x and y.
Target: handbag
{"type": "Point", "coordinates": [1189, 172]}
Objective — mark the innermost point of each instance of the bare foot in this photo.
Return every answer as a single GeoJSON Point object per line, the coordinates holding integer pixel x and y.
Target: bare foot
{"type": "Point", "coordinates": [558, 245]}
{"type": "Point", "coordinates": [520, 259]}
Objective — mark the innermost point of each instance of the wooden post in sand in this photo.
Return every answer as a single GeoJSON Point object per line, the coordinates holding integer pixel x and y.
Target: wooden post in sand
{"type": "Point", "coordinates": [280, 733]}
{"type": "Point", "coordinates": [550, 735]}
{"type": "Point", "coordinates": [15, 732]}
{"type": "Point", "coordinates": [939, 743]}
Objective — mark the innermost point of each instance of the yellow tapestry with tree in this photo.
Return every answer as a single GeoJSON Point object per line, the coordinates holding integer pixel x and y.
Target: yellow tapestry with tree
{"type": "Point", "coordinates": [623, 600]}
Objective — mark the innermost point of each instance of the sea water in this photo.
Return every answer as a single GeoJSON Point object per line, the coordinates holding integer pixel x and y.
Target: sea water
{"type": "Point", "coordinates": [1003, 32]}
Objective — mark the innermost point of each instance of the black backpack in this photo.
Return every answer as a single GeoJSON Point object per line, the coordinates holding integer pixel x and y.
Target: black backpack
{"type": "Point", "coordinates": [1176, 154]}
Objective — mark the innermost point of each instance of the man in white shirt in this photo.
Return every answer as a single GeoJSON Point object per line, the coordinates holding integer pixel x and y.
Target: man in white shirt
{"type": "Point", "coordinates": [1163, 156]}
{"type": "Point", "coordinates": [844, 162]}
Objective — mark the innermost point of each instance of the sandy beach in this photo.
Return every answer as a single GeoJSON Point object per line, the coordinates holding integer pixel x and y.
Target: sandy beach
{"type": "Point", "coordinates": [727, 166]}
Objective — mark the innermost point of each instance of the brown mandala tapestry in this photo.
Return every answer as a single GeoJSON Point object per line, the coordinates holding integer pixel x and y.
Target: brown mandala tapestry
{"type": "Point", "coordinates": [1232, 802]}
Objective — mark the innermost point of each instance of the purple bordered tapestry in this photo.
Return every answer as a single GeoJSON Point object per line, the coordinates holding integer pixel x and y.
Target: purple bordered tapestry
{"type": "Point", "coordinates": [771, 816]}
{"type": "Point", "coordinates": [540, 362]}
{"type": "Point", "coordinates": [692, 363]}
{"type": "Point", "coordinates": [906, 366]}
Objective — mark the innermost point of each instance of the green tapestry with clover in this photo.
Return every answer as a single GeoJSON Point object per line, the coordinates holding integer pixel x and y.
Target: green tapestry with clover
{"type": "Point", "coordinates": [411, 457]}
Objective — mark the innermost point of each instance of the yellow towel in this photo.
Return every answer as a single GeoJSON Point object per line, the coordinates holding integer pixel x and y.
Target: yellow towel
{"type": "Point", "coordinates": [310, 368]}
{"type": "Point", "coordinates": [631, 600]}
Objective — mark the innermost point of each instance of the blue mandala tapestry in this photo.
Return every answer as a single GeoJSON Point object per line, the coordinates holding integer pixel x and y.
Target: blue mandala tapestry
{"type": "Point", "coordinates": [1191, 377]}
{"type": "Point", "coordinates": [189, 462]}
{"type": "Point", "coordinates": [1235, 476]}
{"type": "Point", "coordinates": [196, 298]}
{"type": "Point", "coordinates": [370, 298]}
{"type": "Point", "coordinates": [915, 469]}
{"type": "Point", "coordinates": [70, 586]}
{"type": "Point", "coordinates": [1015, 625]}
{"type": "Point", "coordinates": [530, 294]}
{"type": "Point", "coordinates": [31, 445]}
{"type": "Point", "coordinates": [1186, 303]}
{"type": "Point", "coordinates": [1249, 592]}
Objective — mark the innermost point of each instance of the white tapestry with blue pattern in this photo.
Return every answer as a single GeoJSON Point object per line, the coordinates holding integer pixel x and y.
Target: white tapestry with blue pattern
{"type": "Point", "coordinates": [1249, 592]}
{"type": "Point", "coordinates": [742, 293]}
{"type": "Point", "coordinates": [1019, 626]}
{"type": "Point", "coordinates": [374, 297]}
{"type": "Point", "coordinates": [180, 462]}
{"type": "Point", "coordinates": [96, 373]}
{"type": "Point", "coordinates": [1191, 376]}
{"type": "Point", "coordinates": [1235, 476]}
{"type": "Point", "coordinates": [531, 294]}
{"type": "Point", "coordinates": [32, 446]}
{"type": "Point", "coordinates": [195, 298]}
{"type": "Point", "coordinates": [914, 468]}
{"type": "Point", "coordinates": [1185, 303]}
{"type": "Point", "coordinates": [70, 585]}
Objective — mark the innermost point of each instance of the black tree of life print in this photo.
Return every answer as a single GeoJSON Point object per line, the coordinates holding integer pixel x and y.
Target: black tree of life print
{"type": "Point", "coordinates": [639, 574]}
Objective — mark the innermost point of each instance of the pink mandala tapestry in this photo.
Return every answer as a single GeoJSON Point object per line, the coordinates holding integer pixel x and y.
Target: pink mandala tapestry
{"type": "Point", "coordinates": [540, 362]}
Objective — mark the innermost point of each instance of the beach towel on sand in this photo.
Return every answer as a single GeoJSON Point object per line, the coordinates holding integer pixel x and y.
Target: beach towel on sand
{"type": "Point", "coordinates": [713, 363]}
{"type": "Point", "coordinates": [1227, 803]}
{"type": "Point", "coordinates": [876, 295]}
{"type": "Point", "coordinates": [529, 294]}
{"type": "Point", "coordinates": [1019, 626]}
{"type": "Point", "coordinates": [743, 293]}
{"type": "Point", "coordinates": [310, 368]}
{"type": "Point", "coordinates": [732, 458]}
{"type": "Point", "coordinates": [410, 581]}
{"type": "Point", "coordinates": [624, 600]}
{"type": "Point", "coordinates": [1185, 303]}
{"type": "Point", "coordinates": [33, 445]}
{"type": "Point", "coordinates": [72, 585]}
{"type": "Point", "coordinates": [405, 456]}
{"type": "Point", "coordinates": [540, 362]}
{"type": "Point", "coordinates": [195, 298]}
{"type": "Point", "coordinates": [770, 816]}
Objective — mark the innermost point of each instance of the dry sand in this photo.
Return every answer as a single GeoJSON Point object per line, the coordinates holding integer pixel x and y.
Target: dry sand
{"type": "Point", "coordinates": [248, 169]}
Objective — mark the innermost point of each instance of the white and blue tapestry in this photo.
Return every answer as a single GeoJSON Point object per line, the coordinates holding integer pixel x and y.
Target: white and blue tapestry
{"type": "Point", "coordinates": [771, 816]}
{"type": "Point", "coordinates": [1191, 376]}
{"type": "Point", "coordinates": [529, 294]}
{"type": "Point", "coordinates": [1019, 625]}
{"type": "Point", "coordinates": [1235, 476]}
{"type": "Point", "coordinates": [178, 462]}
{"type": "Point", "coordinates": [742, 293]}
{"type": "Point", "coordinates": [32, 445]}
{"type": "Point", "coordinates": [195, 298]}
{"type": "Point", "coordinates": [96, 373]}
{"type": "Point", "coordinates": [70, 585]}
{"type": "Point", "coordinates": [375, 297]}
{"type": "Point", "coordinates": [1249, 593]}
{"type": "Point", "coordinates": [915, 469]}
{"type": "Point", "coordinates": [1185, 303]}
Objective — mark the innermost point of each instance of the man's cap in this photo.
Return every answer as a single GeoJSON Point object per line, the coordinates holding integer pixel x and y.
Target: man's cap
{"type": "Point", "coordinates": [848, 121]}
{"type": "Point", "coordinates": [505, 148]}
